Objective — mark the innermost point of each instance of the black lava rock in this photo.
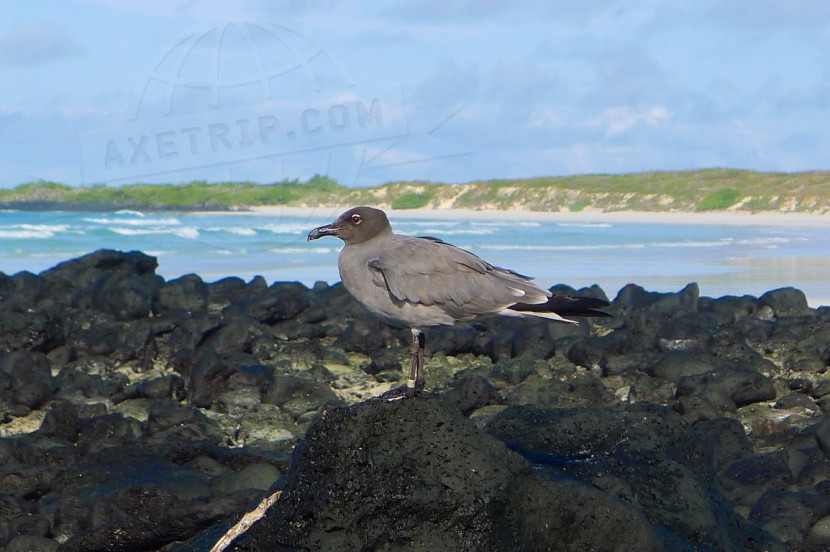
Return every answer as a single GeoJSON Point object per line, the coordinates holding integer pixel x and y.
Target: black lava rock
{"type": "Point", "coordinates": [366, 334]}
{"type": "Point", "coordinates": [730, 309]}
{"type": "Point", "coordinates": [786, 301]}
{"type": "Point", "coordinates": [741, 384]}
{"type": "Point", "coordinates": [413, 473]}
{"type": "Point", "coordinates": [454, 341]}
{"type": "Point", "coordinates": [189, 293]}
{"type": "Point", "coordinates": [208, 378]}
{"type": "Point", "coordinates": [726, 439]}
{"type": "Point", "coordinates": [608, 448]}
{"type": "Point", "coordinates": [87, 270]}
{"type": "Point", "coordinates": [279, 302]}
{"type": "Point", "coordinates": [297, 396]}
{"type": "Point", "coordinates": [470, 392]}
{"type": "Point", "coordinates": [170, 386]}
{"type": "Point", "coordinates": [675, 365]}
{"type": "Point", "coordinates": [25, 379]}
{"type": "Point", "coordinates": [789, 514]}
{"type": "Point", "coordinates": [749, 476]}
{"type": "Point", "coordinates": [155, 397]}
{"type": "Point", "coordinates": [823, 435]}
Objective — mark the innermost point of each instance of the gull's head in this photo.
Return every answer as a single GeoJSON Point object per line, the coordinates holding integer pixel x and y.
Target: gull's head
{"type": "Point", "coordinates": [358, 224]}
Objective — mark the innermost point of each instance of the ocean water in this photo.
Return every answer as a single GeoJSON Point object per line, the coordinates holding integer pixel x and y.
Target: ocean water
{"type": "Point", "coordinates": [722, 259]}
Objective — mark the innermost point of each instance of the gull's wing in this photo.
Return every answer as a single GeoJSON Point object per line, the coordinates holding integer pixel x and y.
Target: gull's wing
{"type": "Point", "coordinates": [428, 271]}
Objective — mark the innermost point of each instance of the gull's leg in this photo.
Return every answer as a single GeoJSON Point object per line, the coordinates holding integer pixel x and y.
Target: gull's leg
{"type": "Point", "coordinates": [416, 379]}
{"type": "Point", "coordinates": [420, 378]}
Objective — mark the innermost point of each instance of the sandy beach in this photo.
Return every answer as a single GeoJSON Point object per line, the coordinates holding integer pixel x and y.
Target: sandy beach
{"type": "Point", "coordinates": [728, 218]}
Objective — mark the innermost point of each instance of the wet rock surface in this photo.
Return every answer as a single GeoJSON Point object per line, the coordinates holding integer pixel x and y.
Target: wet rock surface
{"type": "Point", "coordinates": [139, 414]}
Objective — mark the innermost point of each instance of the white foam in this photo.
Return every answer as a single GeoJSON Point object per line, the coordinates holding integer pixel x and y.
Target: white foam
{"type": "Point", "coordinates": [589, 247]}
{"type": "Point", "coordinates": [304, 250]}
{"type": "Point", "coordinates": [33, 231]}
{"type": "Point", "coordinates": [185, 232]}
{"type": "Point", "coordinates": [24, 234]}
{"type": "Point", "coordinates": [285, 228]}
{"type": "Point", "coordinates": [770, 242]}
{"type": "Point", "coordinates": [63, 255]}
{"type": "Point", "coordinates": [693, 243]}
{"type": "Point", "coordinates": [766, 241]}
{"type": "Point", "coordinates": [169, 221]}
{"type": "Point", "coordinates": [135, 231]}
{"type": "Point", "coordinates": [429, 223]}
{"type": "Point", "coordinates": [51, 227]}
{"type": "Point", "coordinates": [240, 231]}
{"type": "Point", "coordinates": [461, 232]}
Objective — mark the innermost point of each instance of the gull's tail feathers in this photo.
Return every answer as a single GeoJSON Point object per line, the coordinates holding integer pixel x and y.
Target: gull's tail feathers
{"type": "Point", "coordinates": [559, 305]}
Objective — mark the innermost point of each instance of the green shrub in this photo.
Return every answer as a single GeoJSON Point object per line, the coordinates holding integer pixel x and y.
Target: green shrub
{"type": "Point", "coordinates": [323, 184]}
{"type": "Point", "coordinates": [762, 203]}
{"type": "Point", "coordinates": [580, 204]}
{"type": "Point", "coordinates": [722, 198]}
{"type": "Point", "coordinates": [40, 190]}
{"type": "Point", "coordinates": [411, 200]}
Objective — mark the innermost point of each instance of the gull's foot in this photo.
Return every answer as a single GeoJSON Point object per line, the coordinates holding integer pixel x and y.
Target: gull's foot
{"type": "Point", "coordinates": [402, 392]}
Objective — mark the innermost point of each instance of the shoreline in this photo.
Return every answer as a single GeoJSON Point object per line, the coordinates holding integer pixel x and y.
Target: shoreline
{"type": "Point", "coordinates": [641, 217]}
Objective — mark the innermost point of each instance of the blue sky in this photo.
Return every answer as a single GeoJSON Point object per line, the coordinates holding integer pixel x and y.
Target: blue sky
{"type": "Point", "coordinates": [464, 90]}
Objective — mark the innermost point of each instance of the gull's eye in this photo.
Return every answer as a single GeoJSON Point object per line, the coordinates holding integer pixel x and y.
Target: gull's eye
{"type": "Point", "coordinates": [356, 219]}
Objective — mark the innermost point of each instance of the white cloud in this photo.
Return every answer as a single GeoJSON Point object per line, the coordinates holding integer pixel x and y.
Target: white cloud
{"type": "Point", "coordinates": [619, 119]}
{"type": "Point", "coordinates": [544, 117]}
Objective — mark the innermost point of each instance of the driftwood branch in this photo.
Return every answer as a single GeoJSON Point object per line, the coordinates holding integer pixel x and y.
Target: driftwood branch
{"type": "Point", "coordinates": [245, 523]}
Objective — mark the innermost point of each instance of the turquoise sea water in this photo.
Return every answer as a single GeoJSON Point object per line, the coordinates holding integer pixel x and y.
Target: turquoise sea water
{"type": "Point", "coordinates": [723, 259]}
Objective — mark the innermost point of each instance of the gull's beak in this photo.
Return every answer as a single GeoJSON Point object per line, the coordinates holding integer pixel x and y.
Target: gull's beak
{"type": "Point", "coordinates": [322, 231]}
